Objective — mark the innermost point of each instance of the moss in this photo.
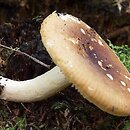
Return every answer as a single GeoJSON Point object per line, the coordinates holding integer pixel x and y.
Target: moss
{"type": "Point", "coordinates": [123, 52]}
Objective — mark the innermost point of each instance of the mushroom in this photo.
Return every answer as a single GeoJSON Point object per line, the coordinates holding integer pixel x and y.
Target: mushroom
{"type": "Point", "coordinates": [35, 89]}
{"type": "Point", "coordinates": [88, 62]}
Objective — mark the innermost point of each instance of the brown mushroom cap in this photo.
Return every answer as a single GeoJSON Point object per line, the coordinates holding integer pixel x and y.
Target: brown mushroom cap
{"type": "Point", "coordinates": [88, 62]}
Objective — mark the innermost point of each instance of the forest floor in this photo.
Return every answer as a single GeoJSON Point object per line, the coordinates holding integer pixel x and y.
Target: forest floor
{"type": "Point", "coordinates": [67, 110]}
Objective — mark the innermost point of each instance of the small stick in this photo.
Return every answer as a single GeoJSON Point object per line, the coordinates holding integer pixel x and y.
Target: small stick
{"type": "Point", "coordinates": [118, 32]}
{"type": "Point", "coordinates": [26, 108]}
{"type": "Point", "coordinates": [23, 53]}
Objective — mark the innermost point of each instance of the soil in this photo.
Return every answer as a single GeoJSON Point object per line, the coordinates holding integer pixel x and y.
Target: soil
{"type": "Point", "coordinates": [67, 110]}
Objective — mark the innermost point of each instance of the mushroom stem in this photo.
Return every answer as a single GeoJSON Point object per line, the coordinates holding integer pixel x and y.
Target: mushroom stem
{"type": "Point", "coordinates": [35, 89]}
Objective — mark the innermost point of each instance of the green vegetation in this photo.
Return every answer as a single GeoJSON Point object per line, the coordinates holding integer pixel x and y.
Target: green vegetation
{"type": "Point", "coordinates": [123, 52]}
{"type": "Point", "coordinates": [19, 124]}
{"type": "Point", "coordinates": [126, 126]}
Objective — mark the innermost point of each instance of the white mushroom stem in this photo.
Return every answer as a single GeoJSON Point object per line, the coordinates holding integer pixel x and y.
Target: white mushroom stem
{"type": "Point", "coordinates": [35, 89]}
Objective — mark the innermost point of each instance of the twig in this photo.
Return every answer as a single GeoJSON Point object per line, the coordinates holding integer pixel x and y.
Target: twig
{"type": "Point", "coordinates": [118, 125]}
{"type": "Point", "coordinates": [118, 32]}
{"type": "Point", "coordinates": [26, 108]}
{"type": "Point", "coordinates": [23, 53]}
{"type": "Point", "coordinates": [8, 108]}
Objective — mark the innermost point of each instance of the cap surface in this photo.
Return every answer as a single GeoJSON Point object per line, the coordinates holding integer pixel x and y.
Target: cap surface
{"type": "Point", "coordinates": [88, 62]}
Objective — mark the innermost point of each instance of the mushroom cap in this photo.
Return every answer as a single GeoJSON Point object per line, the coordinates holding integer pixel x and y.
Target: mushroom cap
{"type": "Point", "coordinates": [88, 62]}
